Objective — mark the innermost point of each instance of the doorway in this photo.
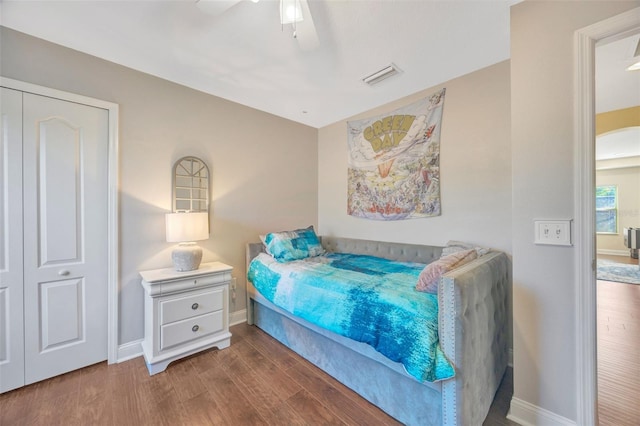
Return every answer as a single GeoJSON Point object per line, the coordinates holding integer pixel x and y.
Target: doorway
{"type": "Point", "coordinates": [617, 192]}
{"type": "Point", "coordinates": [609, 30]}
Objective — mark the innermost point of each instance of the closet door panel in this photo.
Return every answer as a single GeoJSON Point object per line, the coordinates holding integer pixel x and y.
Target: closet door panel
{"type": "Point", "coordinates": [65, 236]}
{"type": "Point", "coordinates": [11, 278]}
{"type": "Point", "coordinates": [61, 302]}
{"type": "Point", "coordinates": [59, 180]}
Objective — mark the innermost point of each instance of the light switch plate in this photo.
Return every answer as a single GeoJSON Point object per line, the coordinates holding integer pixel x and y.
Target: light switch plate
{"type": "Point", "coordinates": [553, 232]}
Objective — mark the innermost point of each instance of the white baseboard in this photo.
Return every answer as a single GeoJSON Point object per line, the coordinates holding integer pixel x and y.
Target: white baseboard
{"type": "Point", "coordinates": [528, 414]}
{"type": "Point", "coordinates": [237, 317]}
{"type": "Point", "coordinates": [613, 252]}
{"type": "Point", "coordinates": [130, 350]}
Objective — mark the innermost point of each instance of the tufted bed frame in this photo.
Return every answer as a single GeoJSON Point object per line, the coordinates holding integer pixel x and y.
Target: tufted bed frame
{"type": "Point", "coordinates": [472, 329]}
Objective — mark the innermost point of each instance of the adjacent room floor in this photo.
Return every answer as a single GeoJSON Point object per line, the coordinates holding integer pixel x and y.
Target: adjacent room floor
{"type": "Point", "coordinates": [256, 381]}
{"type": "Point", "coordinates": [618, 319]}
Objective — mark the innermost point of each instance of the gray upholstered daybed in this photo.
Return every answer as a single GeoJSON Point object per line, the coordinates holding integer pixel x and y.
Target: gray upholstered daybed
{"type": "Point", "coordinates": [472, 328]}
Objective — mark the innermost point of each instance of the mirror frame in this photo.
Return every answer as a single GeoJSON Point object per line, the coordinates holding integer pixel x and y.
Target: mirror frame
{"type": "Point", "coordinates": [195, 168]}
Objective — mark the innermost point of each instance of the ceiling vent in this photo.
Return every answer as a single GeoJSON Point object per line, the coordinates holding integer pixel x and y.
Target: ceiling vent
{"type": "Point", "coordinates": [386, 72]}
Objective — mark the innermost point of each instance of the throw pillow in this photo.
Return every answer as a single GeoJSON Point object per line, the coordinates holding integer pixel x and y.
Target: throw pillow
{"type": "Point", "coordinates": [293, 245]}
{"type": "Point", "coordinates": [430, 275]}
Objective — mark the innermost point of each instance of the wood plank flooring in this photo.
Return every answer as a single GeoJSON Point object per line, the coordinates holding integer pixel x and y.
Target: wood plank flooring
{"type": "Point", "coordinates": [618, 328]}
{"type": "Point", "coordinates": [256, 381]}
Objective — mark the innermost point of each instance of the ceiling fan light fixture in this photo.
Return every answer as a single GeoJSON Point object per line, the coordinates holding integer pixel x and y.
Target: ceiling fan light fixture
{"type": "Point", "coordinates": [378, 76]}
{"type": "Point", "coordinates": [290, 12]}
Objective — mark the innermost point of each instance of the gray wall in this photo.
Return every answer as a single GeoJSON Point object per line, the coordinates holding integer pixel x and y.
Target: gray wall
{"type": "Point", "coordinates": [264, 168]}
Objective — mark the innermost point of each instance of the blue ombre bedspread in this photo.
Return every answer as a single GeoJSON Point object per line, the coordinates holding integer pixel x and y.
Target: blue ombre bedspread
{"type": "Point", "coordinates": [365, 298]}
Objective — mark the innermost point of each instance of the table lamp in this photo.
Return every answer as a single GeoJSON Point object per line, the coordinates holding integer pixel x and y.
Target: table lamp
{"type": "Point", "coordinates": [186, 228]}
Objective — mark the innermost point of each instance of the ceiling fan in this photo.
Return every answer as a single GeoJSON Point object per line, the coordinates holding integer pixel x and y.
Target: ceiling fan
{"type": "Point", "coordinates": [295, 13]}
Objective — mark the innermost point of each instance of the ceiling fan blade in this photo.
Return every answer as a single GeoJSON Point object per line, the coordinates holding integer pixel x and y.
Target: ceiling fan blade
{"type": "Point", "coordinates": [637, 52]}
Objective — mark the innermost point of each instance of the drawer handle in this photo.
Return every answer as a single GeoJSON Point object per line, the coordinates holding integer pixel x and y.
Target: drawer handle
{"type": "Point", "coordinates": [195, 282]}
{"type": "Point", "coordinates": [195, 328]}
{"type": "Point", "coordinates": [194, 306]}
{"type": "Point", "coordinates": [63, 272]}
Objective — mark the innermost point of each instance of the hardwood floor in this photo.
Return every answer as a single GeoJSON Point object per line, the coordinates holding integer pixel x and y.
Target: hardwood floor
{"type": "Point", "coordinates": [618, 329]}
{"type": "Point", "coordinates": [256, 381]}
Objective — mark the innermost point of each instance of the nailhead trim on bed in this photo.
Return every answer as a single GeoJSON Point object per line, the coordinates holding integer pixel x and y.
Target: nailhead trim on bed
{"type": "Point", "coordinates": [446, 297]}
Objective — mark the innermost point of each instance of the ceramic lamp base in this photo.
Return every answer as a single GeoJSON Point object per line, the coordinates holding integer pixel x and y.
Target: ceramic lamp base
{"type": "Point", "coordinates": [186, 257]}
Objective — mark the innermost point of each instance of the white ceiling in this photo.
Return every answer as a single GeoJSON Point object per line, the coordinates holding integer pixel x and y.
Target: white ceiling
{"type": "Point", "coordinates": [617, 88]}
{"type": "Point", "coordinates": [241, 52]}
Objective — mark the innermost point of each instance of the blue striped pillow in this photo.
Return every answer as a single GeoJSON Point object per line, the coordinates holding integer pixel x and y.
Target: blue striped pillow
{"type": "Point", "coordinates": [293, 245]}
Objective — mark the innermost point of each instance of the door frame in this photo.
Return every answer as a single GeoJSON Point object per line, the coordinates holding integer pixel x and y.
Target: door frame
{"type": "Point", "coordinates": [112, 197]}
{"type": "Point", "coordinates": [585, 41]}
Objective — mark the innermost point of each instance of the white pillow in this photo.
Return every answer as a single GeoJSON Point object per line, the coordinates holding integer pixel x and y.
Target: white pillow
{"type": "Point", "coordinates": [430, 275]}
{"type": "Point", "coordinates": [456, 246]}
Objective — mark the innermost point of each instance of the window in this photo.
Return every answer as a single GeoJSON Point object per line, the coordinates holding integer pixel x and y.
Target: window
{"type": "Point", "coordinates": [607, 209]}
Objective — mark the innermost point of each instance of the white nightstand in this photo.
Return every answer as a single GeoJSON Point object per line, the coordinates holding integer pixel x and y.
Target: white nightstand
{"type": "Point", "coordinates": [184, 313]}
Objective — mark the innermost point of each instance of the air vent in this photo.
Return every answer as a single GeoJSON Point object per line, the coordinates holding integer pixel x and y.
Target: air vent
{"type": "Point", "coordinates": [386, 72]}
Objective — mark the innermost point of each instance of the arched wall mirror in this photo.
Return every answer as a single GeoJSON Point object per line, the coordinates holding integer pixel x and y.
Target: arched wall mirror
{"type": "Point", "coordinates": [190, 185]}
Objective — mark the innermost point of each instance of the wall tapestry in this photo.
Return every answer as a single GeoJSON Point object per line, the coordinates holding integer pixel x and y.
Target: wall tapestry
{"type": "Point", "coordinates": [394, 162]}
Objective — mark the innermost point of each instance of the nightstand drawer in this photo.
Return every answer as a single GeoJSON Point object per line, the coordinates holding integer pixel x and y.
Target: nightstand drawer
{"type": "Point", "coordinates": [191, 329]}
{"type": "Point", "coordinates": [190, 306]}
{"type": "Point", "coordinates": [193, 283]}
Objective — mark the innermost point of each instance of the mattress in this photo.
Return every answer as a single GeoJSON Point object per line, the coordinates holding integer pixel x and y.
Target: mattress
{"type": "Point", "coordinates": [365, 298]}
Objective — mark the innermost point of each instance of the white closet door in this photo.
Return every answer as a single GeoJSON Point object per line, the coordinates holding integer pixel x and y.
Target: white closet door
{"type": "Point", "coordinates": [65, 235]}
{"type": "Point", "coordinates": [11, 316]}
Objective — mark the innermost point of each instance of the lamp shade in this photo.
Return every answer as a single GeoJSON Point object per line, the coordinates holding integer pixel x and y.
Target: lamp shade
{"type": "Point", "coordinates": [185, 227]}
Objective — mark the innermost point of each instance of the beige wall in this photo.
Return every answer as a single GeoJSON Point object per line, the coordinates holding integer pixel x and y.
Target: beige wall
{"type": "Point", "coordinates": [264, 168]}
{"type": "Point", "coordinates": [544, 293]}
{"type": "Point", "coordinates": [475, 169]}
